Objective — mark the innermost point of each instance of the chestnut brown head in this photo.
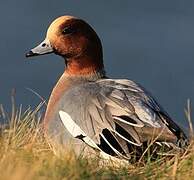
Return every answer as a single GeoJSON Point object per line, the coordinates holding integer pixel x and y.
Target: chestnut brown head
{"type": "Point", "coordinates": [69, 37]}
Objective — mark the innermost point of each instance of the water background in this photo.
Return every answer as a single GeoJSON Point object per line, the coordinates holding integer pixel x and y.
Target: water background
{"type": "Point", "coordinates": [151, 42]}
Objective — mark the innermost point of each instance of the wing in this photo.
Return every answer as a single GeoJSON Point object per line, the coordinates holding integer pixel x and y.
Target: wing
{"type": "Point", "coordinates": [119, 114]}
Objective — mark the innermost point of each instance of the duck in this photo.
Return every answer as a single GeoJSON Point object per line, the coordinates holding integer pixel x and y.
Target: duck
{"type": "Point", "coordinates": [90, 112]}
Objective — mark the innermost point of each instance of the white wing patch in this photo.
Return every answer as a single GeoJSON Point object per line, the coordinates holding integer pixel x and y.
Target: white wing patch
{"type": "Point", "coordinates": [75, 130]}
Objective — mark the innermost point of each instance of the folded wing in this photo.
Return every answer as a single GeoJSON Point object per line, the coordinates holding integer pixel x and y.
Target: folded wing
{"type": "Point", "coordinates": [120, 114]}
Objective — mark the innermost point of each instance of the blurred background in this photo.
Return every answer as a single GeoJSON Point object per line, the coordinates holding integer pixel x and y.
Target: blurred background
{"type": "Point", "coordinates": [150, 42]}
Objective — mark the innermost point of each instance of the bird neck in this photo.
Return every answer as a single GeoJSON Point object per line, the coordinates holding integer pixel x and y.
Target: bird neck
{"type": "Point", "coordinates": [85, 66]}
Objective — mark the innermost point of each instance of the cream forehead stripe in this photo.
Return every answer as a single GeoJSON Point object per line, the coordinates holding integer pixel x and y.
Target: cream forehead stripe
{"type": "Point", "coordinates": [56, 23]}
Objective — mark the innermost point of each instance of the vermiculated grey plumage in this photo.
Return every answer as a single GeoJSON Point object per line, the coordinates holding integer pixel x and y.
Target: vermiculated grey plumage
{"type": "Point", "coordinates": [122, 108]}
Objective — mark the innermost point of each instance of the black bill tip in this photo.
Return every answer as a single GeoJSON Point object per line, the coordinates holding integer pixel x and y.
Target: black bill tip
{"type": "Point", "coordinates": [30, 54]}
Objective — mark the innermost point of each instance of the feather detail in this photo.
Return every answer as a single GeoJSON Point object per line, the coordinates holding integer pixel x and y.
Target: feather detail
{"type": "Point", "coordinates": [126, 111]}
{"type": "Point", "coordinates": [75, 130]}
{"type": "Point", "coordinates": [137, 124]}
{"type": "Point", "coordinates": [115, 150]}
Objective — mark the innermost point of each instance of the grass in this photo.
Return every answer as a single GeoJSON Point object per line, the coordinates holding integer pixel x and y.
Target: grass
{"type": "Point", "coordinates": [25, 154]}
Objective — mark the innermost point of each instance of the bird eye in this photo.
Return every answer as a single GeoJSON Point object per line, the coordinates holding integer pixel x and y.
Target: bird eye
{"type": "Point", "coordinates": [68, 30]}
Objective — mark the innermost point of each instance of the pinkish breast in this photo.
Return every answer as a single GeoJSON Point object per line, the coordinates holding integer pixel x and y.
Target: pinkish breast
{"type": "Point", "coordinates": [62, 85]}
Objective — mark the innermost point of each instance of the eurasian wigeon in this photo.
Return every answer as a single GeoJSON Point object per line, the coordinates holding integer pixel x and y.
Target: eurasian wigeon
{"type": "Point", "coordinates": [88, 110]}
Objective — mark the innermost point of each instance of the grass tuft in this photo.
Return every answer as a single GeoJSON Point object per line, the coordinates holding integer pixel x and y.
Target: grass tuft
{"type": "Point", "coordinates": [25, 154]}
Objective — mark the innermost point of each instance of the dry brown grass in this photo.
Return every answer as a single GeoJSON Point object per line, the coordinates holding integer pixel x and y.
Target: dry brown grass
{"type": "Point", "coordinates": [25, 154]}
